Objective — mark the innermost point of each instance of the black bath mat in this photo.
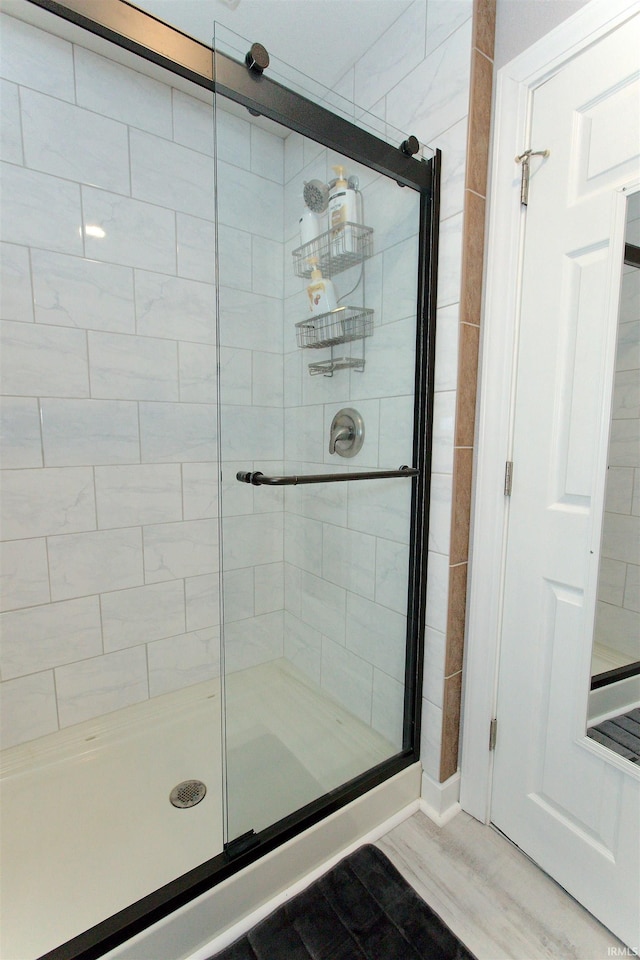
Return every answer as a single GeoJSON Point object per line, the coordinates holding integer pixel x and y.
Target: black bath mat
{"type": "Point", "coordinates": [363, 909]}
{"type": "Point", "coordinates": [621, 734]}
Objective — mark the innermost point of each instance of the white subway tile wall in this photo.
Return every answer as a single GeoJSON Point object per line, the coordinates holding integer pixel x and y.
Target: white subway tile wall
{"type": "Point", "coordinates": [112, 234]}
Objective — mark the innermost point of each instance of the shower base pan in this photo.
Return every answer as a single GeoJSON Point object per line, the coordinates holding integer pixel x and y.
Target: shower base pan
{"type": "Point", "coordinates": [87, 826]}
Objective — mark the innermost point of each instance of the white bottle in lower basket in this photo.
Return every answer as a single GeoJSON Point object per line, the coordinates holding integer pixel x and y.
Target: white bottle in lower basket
{"type": "Point", "coordinates": [322, 296]}
{"type": "Point", "coordinates": [343, 211]}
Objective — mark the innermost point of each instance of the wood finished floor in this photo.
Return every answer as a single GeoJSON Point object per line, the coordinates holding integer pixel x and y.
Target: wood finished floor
{"type": "Point", "coordinates": [499, 903]}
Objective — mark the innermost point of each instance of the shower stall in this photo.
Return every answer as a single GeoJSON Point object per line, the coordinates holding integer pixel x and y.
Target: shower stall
{"type": "Point", "coordinates": [214, 493]}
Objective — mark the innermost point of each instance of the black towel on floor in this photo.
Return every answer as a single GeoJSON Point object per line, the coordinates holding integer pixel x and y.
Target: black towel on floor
{"type": "Point", "coordinates": [362, 909]}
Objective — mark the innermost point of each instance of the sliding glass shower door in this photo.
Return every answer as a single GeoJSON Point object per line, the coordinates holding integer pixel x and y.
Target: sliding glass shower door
{"type": "Point", "coordinates": [321, 343]}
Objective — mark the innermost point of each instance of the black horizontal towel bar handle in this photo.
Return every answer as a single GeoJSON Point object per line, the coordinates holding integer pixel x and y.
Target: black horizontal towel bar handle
{"type": "Point", "coordinates": [258, 479]}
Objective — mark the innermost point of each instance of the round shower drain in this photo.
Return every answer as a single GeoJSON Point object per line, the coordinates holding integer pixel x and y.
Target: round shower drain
{"type": "Point", "coordinates": [187, 793]}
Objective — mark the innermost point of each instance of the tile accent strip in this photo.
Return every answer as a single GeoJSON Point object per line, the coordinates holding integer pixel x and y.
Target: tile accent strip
{"type": "Point", "coordinates": [469, 339]}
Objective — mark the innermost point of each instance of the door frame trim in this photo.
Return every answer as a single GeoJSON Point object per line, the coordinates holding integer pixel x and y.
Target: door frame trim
{"type": "Point", "coordinates": [515, 85]}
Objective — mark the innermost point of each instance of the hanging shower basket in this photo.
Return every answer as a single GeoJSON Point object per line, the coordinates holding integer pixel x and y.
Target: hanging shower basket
{"type": "Point", "coordinates": [338, 326]}
{"type": "Point", "coordinates": [334, 251]}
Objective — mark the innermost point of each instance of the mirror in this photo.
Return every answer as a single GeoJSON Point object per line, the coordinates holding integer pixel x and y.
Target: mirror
{"type": "Point", "coordinates": [614, 703]}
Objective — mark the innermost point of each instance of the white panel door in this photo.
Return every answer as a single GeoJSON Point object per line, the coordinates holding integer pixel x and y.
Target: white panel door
{"type": "Point", "coordinates": [570, 805]}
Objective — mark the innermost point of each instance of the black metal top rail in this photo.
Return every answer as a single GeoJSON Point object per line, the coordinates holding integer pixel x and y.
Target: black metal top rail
{"type": "Point", "coordinates": [258, 479]}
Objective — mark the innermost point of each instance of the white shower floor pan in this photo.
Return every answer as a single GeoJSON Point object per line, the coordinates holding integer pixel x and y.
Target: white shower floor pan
{"type": "Point", "coordinates": [86, 826]}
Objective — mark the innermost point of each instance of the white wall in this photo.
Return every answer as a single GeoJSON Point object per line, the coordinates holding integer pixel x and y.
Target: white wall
{"type": "Point", "coordinates": [519, 23]}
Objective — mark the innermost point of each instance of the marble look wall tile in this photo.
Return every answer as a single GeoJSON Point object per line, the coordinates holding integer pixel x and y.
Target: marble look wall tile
{"type": "Point", "coordinates": [200, 490]}
{"type": "Point", "coordinates": [116, 91]}
{"type": "Point", "coordinates": [293, 155]}
{"type": "Point", "coordinates": [24, 574]}
{"type": "Point", "coordinates": [267, 154]}
{"type": "Point", "coordinates": [202, 597]}
{"type": "Point", "coordinates": [20, 443]}
{"type": "Point", "coordinates": [400, 272]}
{"type": "Point", "coordinates": [434, 657]}
{"type": "Point", "coordinates": [617, 627]}
{"type": "Point", "coordinates": [303, 543]}
{"type": "Point", "coordinates": [437, 591]}
{"type": "Point", "coordinates": [349, 560]}
{"type": "Point", "coordinates": [233, 137]}
{"type": "Point", "coordinates": [440, 512]}
{"type": "Point", "coordinates": [377, 635]}
{"type": "Point", "coordinates": [292, 580]}
{"type": "Point", "coordinates": [447, 325]}
{"type": "Point", "coordinates": [453, 143]}
{"type": "Point", "coordinates": [142, 614]}
{"type": "Point", "coordinates": [624, 443]}
{"type": "Point", "coordinates": [238, 594]}
{"type": "Point", "coordinates": [234, 257]}
{"type": "Point", "coordinates": [196, 248]}
{"type": "Point", "coordinates": [94, 687]}
{"type": "Point", "coordinates": [129, 496]}
{"type": "Point", "coordinates": [626, 395]}
{"type": "Point", "coordinates": [171, 175]}
{"type": "Point", "coordinates": [632, 588]}
{"type": "Point", "coordinates": [246, 198]}
{"type": "Point", "coordinates": [39, 503]}
{"type": "Point", "coordinates": [390, 367]}
{"type": "Point", "coordinates": [347, 678]}
{"type": "Point", "coordinates": [450, 261]}
{"type": "Point", "coordinates": [267, 267]}
{"type": "Point", "coordinates": [174, 308]}
{"type": "Point", "coordinates": [177, 432]}
{"type": "Point", "coordinates": [250, 321]}
{"type": "Point", "coordinates": [79, 432]}
{"type": "Point", "coordinates": [392, 575]}
{"type": "Point", "coordinates": [40, 211]}
{"type": "Point", "coordinates": [436, 93]}
{"type": "Point", "coordinates": [39, 360]}
{"type": "Point", "coordinates": [88, 563]}
{"type": "Point", "coordinates": [36, 58]}
{"type": "Point", "coordinates": [16, 302]}
{"type": "Point", "coordinates": [443, 19]}
{"type": "Point", "coordinates": [10, 134]}
{"type": "Point", "coordinates": [73, 143]}
{"type": "Point", "coordinates": [628, 345]}
{"type": "Point", "coordinates": [387, 708]}
{"type": "Point", "coordinates": [192, 122]}
{"type": "Point", "coordinates": [252, 540]}
{"type": "Point", "coordinates": [430, 739]}
{"type": "Point", "coordinates": [46, 636]}
{"type": "Point", "coordinates": [235, 376]}
{"type": "Point", "coordinates": [175, 550]}
{"type": "Point", "coordinates": [621, 538]}
{"type": "Point", "coordinates": [611, 581]}
{"type": "Point", "coordinates": [383, 509]}
{"type": "Point", "coordinates": [251, 433]}
{"type": "Point", "coordinates": [305, 435]}
{"type": "Point", "coordinates": [381, 67]}
{"type": "Point", "coordinates": [267, 380]}
{"type": "Point", "coordinates": [269, 587]}
{"type": "Point", "coordinates": [179, 662]}
{"type": "Point", "coordinates": [302, 647]}
{"type": "Point", "coordinates": [237, 498]}
{"type": "Point", "coordinates": [132, 368]}
{"type": "Point", "coordinates": [250, 642]}
{"type": "Point", "coordinates": [128, 231]}
{"type": "Point", "coordinates": [393, 213]}
{"type": "Point", "coordinates": [323, 606]}
{"type": "Point", "coordinates": [326, 502]}
{"type": "Point", "coordinates": [72, 292]}
{"type": "Point", "coordinates": [396, 431]}
{"type": "Point", "coordinates": [28, 708]}
{"type": "Point", "coordinates": [444, 411]}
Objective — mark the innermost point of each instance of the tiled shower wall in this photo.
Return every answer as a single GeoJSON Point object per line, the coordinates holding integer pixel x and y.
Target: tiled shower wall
{"type": "Point", "coordinates": [347, 546]}
{"type": "Point", "coordinates": [618, 609]}
{"type": "Point", "coordinates": [109, 484]}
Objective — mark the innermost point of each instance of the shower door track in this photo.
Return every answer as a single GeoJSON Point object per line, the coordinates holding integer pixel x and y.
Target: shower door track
{"type": "Point", "coordinates": [144, 36]}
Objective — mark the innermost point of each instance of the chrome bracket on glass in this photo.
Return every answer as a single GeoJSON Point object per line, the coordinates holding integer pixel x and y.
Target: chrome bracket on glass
{"type": "Point", "coordinates": [258, 479]}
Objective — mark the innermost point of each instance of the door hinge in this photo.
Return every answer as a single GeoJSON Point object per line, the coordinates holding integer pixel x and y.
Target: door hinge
{"type": "Point", "coordinates": [508, 477]}
{"type": "Point", "coordinates": [524, 159]}
{"type": "Point", "coordinates": [493, 732]}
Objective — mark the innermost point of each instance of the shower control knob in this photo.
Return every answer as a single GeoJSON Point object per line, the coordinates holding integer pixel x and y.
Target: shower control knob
{"type": "Point", "coordinates": [410, 146]}
{"type": "Point", "coordinates": [257, 59]}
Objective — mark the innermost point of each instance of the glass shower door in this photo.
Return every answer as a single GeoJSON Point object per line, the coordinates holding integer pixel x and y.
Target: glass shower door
{"type": "Point", "coordinates": [318, 264]}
